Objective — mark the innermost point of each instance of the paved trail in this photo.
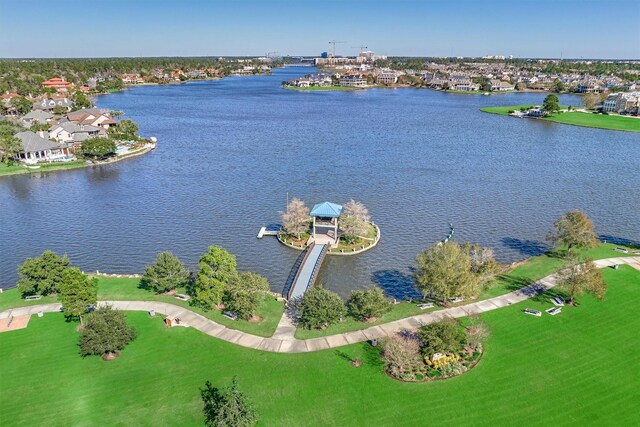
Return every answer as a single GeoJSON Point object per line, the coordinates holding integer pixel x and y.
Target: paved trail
{"type": "Point", "coordinates": [283, 340]}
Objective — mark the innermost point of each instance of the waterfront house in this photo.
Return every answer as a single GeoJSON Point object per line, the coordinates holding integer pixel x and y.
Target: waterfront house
{"type": "Point", "coordinates": [388, 77]}
{"type": "Point", "coordinates": [57, 83]}
{"type": "Point", "coordinates": [37, 148]}
{"type": "Point", "coordinates": [48, 104]}
{"type": "Point", "coordinates": [73, 133]}
{"type": "Point", "coordinates": [91, 117]}
{"type": "Point", "coordinates": [36, 116]}
{"type": "Point", "coordinates": [622, 102]}
{"type": "Point", "coordinates": [353, 80]}
{"type": "Point", "coordinates": [132, 79]}
{"type": "Point", "coordinates": [464, 85]}
{"type": "Point", "coordinates": [501, 86]}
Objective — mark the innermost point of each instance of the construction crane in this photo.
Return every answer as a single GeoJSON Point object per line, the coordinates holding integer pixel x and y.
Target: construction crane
{"type": "Point", "coordinates": [334, 42]}
{"type": "Point", "coordinates": [362, 48]}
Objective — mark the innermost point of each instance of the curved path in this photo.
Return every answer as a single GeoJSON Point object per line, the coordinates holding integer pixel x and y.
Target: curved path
{"type": "Point", "coordinates": [283, 340]}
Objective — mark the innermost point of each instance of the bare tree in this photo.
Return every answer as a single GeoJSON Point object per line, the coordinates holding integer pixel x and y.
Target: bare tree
{"type": "Point", "coordinates": [354, 220]}
{"type": "Point", "coordinates": [356, 210]}
{"type": "Point", "coordinates": [582, 276]}
{"type": "Point", "coordinates": [590, 100]}
{"type": "Point", "coordinates": [295, 220]}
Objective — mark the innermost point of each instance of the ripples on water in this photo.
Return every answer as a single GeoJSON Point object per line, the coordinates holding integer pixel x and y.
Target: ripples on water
{"type": "Point", "coordinates": [230, 150]}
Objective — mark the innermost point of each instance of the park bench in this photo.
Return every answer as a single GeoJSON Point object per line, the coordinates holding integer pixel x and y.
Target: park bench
{"type": "Point", "coordinates": [425, 305]}
{"type": "Point", "coordinates": [623, 250]}
{"type": "Point", "coordinates": [532, 312]}
{"type": "Point", "coordinates": [558, 301]}
{"type": "Point", "coordinates": [33, 297]}
{"type": "Point", "coordinates": [456, 300]}
{"type": "Point", "coordinates": [182, 297]}
{"type": "Point", "coordinates": [554, 310]}
{"type": "Point", "coordinates": [230, 315]}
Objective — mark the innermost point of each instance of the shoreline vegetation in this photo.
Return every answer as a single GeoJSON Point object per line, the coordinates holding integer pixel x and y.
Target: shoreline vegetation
{"type": "Point", "coordinates": [19, 169]}
{"type": "Point", "coordinates": [180, 359]}
{"type": "Point", "coordinates": [576, 118]}
{"type": "Point", "coordinates": [271, 308]}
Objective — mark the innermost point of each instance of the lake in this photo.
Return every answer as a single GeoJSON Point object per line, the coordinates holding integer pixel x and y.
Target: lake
{"type": "Point", "coordinates": [231, 151]}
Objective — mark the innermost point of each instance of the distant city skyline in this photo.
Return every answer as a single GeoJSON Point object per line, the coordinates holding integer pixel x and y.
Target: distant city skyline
{"type": "Point", "coordinates": [546, 29]}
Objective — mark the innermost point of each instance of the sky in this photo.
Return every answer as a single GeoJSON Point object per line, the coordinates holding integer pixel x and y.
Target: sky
{"type": "Point", "coordinates": [540, 28]}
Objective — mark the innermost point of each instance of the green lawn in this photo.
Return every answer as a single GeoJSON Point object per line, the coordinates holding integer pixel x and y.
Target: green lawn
{"type": "Point", "coordinates": [578, 368]}
{"type": "Point", "coordinates": [126, 289]}
{"type": "Point", "coordinates": [535, 268]}
{"type": "Point", "coordinates": [612, 122]}
{"type": "Point", "coordinates": [577, 118]}
{"type": "Point", "coordinates": [19, 169]}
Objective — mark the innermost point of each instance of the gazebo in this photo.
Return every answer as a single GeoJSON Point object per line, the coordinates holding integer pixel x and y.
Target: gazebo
{"type": "Point", "coordinates": [325, 215]}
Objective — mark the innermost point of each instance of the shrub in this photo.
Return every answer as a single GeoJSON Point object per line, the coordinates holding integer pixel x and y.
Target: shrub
{"type": "Point", "coordinates": [446, 337]}
{"type": "Point", "coordinates": [401, 355]}
{"type": "Point", "coordinates": [368, 304]}
{"type": "Point", "coordinates": [320, 308]}
{"type": "Point", "coordinates": [228, 408]}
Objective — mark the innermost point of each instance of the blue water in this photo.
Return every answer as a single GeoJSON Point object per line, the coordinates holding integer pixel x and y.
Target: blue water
{"type": "Point", "coordinates": [230, 150]}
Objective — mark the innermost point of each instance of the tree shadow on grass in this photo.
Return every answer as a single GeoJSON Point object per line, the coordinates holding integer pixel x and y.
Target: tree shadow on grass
{"type": "Point", "coordinates": [526, 247]}
{"type": "Point", "coordinates": [633, 244]}
{"type": "Point", "coordinates": [396, 284]}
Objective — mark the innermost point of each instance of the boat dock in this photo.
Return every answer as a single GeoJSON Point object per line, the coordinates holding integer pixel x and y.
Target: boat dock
{"type": "Point", "coordinates": [271, 230]}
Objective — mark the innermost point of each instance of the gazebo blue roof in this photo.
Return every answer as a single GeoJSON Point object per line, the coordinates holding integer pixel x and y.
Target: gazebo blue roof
{"type": "Point", "coordinates": [326, 210]}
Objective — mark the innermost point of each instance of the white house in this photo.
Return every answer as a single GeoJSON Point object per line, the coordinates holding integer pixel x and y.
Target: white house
{"type": "Point", "coordinates": [70, 132]}
{"type": "Point", "coordinates": [36, 148]}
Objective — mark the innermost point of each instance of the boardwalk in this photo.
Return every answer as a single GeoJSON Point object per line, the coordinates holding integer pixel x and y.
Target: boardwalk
{"type": "Point", "coordinates": [283, 340]}
{"type": "Point", "coordinates": [307, 271]}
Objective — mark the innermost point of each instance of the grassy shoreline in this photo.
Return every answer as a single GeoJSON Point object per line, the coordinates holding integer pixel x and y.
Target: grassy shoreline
{"type": "Point", "coordinates": [523, 274]}
{"type": "Point", "coordinates": [551, 360]}
{"type": "Point", "coordinates": [578, 118]}
{"type": "Point", "coordinates": [56, 167]}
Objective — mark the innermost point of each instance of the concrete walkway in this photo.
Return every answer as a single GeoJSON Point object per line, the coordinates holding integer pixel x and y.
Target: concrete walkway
{"type": "Point", "coordinates": [283, 341]}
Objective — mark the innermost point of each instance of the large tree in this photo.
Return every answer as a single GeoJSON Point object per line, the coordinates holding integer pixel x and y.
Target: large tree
{"type": "Point", "coordinates": [590, 100]}
{"type": "Point", "coordinates": [244, 294]}
{"type": "Point", "coordinates": [77, 293]}
{"type": "Point", "coordinates": [21, 104]}
{"type": "Point", "coordinates": [582, 276]}
{"type": "Point", "coordinates": [105, 333]}
{"type": "Point", "coordinates": [550, 104]}
{"type": "Point", "coordinates": [444, 271]}
{"type": "Point", "coordinates": [42, 275]}
{"type": "Point", "coordinates": [230, 408]}
{"type": "Point", "coordinates": [483, 261]}
{"type": "Point", "coordinates": [295, 220]}
{"type": "Point", "coordinates": [10, 147]}
{"type": "Point", "coordinates": [81, 101]}
{"type": "Point", "coordinates": [99, 148]}
{"type": "Point", "coordinates": [217, 269]}
{"type": "Point", "coordinates": [165, 274]}
{"type": "Point", "coordinates": [320, 308]}
{"type": "Point", "coordinates": [444, 337]}
{"type": "Point", "coordinates": [368, 304]}
{"type": "Point", "coordinates": [126, 127]}
{"type": "Point", "coordinates": [573, 229]}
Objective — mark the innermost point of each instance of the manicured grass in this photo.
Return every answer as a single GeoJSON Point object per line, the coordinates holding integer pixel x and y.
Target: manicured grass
{"type": "Point", "coordinates": [577, 368]}
{"type": "Point", "coordinates": [126, 289]}
{"type": "Point", "coordinates": [323, 88]}
{"type": "Point", "coordinates": [19, 169]}
{"type": "Point", "coordinates": [533, 269]}
{"type": "Point", "coordinates": [600, 121]}
{"type": "Point", "coordinates": [577, 118]}
{"type": "Point", "coordinates": [398, 311]}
